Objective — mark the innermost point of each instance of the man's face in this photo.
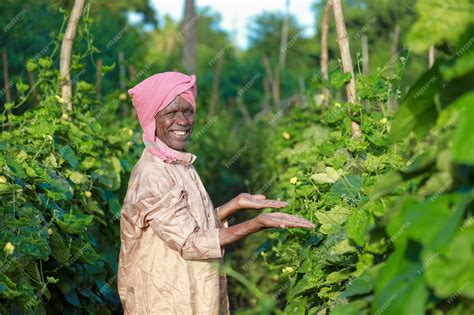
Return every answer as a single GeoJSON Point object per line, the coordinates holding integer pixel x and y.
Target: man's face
{"type": "Point", "coordinates": [174, 124]}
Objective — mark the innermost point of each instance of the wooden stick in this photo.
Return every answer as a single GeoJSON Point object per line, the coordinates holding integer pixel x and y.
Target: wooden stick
{"type": "Point", "coordinates": [31, 79]}
{"type": "Point", "coordinates": [66, 49]}
{"type": "Point", "coordinates": [98, 79]}
{"type": "Point", "coordinates": [343, 42]}
{"type": "Point", "coordinates": [215, 90]}
{"type": "Point", "coordinates": [431, 56]}
{"type": "Point", "coordinates": [365, 54]}
{"type": "Point", "coordinates": [6, 77]}
{"type": "Point", "coordinates": [189, 32]}
{"type": "Point", "coordinates": [284, 38]}
{"type": "Point", "coordinates": [324, 50]}
{"type": "Point", "coordinates": [244, 111]}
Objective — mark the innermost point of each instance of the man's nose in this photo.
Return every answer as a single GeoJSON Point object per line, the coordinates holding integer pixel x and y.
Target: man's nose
{"type": "Point", "coordinates": [180, 119]}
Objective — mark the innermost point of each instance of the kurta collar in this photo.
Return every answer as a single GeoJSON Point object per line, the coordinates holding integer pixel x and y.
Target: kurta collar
{"type": "Point", "coordinates": [185, 158]}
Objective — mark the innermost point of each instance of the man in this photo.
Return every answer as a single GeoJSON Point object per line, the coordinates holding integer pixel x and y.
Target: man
{"type": "Point", "coordinates": [172, 237]}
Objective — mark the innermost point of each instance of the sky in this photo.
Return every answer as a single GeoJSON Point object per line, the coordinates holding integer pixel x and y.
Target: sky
{"type": "Point", "coordinates": [236, 14]}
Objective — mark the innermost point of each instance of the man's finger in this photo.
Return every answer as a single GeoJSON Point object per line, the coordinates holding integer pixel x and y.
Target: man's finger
{"type": "Point", "coordinates": [273, 203]}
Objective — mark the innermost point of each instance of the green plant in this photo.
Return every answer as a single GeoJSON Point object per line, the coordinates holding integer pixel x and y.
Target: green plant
{"type": "Point", "coordinates": [60, 195]}
{"type": "Point", "coordinates": [394, 207]}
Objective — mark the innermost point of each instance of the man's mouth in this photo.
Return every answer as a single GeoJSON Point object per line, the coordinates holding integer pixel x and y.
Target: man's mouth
{"type": "Point", "coordinates": [181, 134]}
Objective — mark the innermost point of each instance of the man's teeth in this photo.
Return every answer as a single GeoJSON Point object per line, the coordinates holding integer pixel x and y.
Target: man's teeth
{"type": "Point", "coordinates": [180, 133]}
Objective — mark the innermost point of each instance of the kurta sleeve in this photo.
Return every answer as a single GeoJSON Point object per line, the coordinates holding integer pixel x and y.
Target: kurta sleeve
{"type": "Point", "coordinates": [163, 206]}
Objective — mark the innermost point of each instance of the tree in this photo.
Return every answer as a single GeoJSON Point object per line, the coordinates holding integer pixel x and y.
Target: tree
{"type": "Point", "coordinates": [284, 37]}
{"type": "Point", "coordinates": [215, 90]}
{"type": "Point", "coordinates": [188, 30]}
{"type": "Point", "coordinates": [267, 41]}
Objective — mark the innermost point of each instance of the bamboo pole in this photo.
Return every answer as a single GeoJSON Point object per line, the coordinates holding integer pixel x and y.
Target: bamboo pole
{"type": "Point", "coordinates": [189, 32]}
{"type": "Point", "coordinates": [284, 37]}
{"type": "Point", "coordinates": [302, 87]}
{"type": "Point", "coordinates": [343, 42]}
{"type": "Point", "coordinates": [365, 54]}
{"type": "Point", "coordinates": [98, 79]}
{"type": "Point", "coordinates": [66, 49]}
{"type": "Point", "coordinates": [324, 50]}
{"type": "Point", "coordinates": [392, 101]}
{"type": "Point", "coordinates": [244, 111]}
{"type": "Point", "coordinates": [266, 95]}
{"type": "Point", "coordinates": [396, 39]}
{"type": "Point", "coordinates": [6, 77]}
{"type": "Point", "coordinates": [431, 56]}
{"type": "Point", "coordinates": [132, 72]}
{"type": "Point", "coordinates": [274, 81]}
{"type": "Point", "coordinates": [215, 90]}
{"type": "Point", "coordinates": [122, 79]}
{"type": "Point", "coordinates": [31, 80]}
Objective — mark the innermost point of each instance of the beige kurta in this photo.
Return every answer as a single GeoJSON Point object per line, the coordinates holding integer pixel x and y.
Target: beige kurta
{"type": "Point", "coordinates": [170, 251]}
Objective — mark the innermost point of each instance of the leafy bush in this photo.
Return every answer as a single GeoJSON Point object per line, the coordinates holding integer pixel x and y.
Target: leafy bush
{"type": "Point", "coordinates": [60, 195]}
{"type": "Point", "coordinates": [394, 207]}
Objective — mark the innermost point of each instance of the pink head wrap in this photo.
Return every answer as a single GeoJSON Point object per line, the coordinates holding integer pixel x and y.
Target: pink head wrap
{"type": "Point", "coordinates": [153, 95]}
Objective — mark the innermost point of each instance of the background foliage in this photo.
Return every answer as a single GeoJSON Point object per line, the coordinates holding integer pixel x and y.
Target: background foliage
{"type": "Point", "coordinates": [393, 207]}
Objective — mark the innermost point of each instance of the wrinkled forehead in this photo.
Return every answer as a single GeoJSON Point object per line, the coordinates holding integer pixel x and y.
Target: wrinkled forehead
{"type": "Point", "coordinates": [178, 103]}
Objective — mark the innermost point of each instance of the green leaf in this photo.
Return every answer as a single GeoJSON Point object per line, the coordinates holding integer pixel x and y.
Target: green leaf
{"type": "Point", "coordinates": [463, 64]}
{"type": "Point", "coordinates": [310, 281]}
{"type": "Point", "coordinates": [72, 298]}
{"type": "Point", "coordinates": [449, 270]}
{"type": "Point", "coordinates": [70, 223]}
{"type": "Point", "coordinates": [399, 288]}
{"type": "Point", "coordinates": [423, 221]}
{"type": "Point", "coordinates": [21, 87]}
{"type": "Point", "coordinates": [329, 176]}
{"type": "Point", "coordinates": [52, 280]}
{"type": "Point", "coordinates": [333, 219]}
{"type": "Point", "coordinates": [84, 87]}
{"type": "Point", "coordinates": [59, 250]}
{"type": "Point", "coordinates": [356, 226]}
{"type": "Point", "coordinates": [31, 65]}
{"type": "Point", "coordinates": [104, 69]}
{"type": "Point", "coordinates": [51, 161]}
{"type": "Point", "coordinates": [450, 115]}
{"type": "Point", "coordinates": [417, 110]}
{"type": "Point", "coordinates": [35, 246]}
{"type": "Point", "coordinates": [69, 155]}
{"type": "Point", "coordinates": [364, 284]}
{"type": "Point", "coordinates": [57, 187]}
{"type": "Point", "coordinates": [15, 167]}
{"type": "Point", "coordinates": [347, 187]}
{"type": "Point", "coordinates": [341, 248]}
{"type": "Point", "coordinates": [76, 177]}
{"type": "Point", "coordinates": [352, 308]}
{"type": "Point", "coordinates": [8, 288]}
{"type": "Point", "coordinates": [439, 21]}
{"type": "Point", "coordinates": [88, 254]}
{"type": "Point", "coordinates": [9, 105]}
{"type": "Point", "coordinates": [45, 62]}
{"type": "Point", "coordinates": [339, 79]}
{"type": "Point", "coordinates": [438, 183]}
{"type": "Point", "coordinates": [463, 142]}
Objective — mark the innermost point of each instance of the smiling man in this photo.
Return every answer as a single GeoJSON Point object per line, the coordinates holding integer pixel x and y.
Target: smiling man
{"type": "Point", "coordinates": [172, 237]}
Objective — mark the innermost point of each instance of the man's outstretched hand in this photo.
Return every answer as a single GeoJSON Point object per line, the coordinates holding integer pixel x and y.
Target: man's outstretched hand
{"type": "Point", "coordinates": [262, 221]}
{"type": "Point", "coordinates": [282, 220]}
{"type": "Point", "coordinates": [248, 201]}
